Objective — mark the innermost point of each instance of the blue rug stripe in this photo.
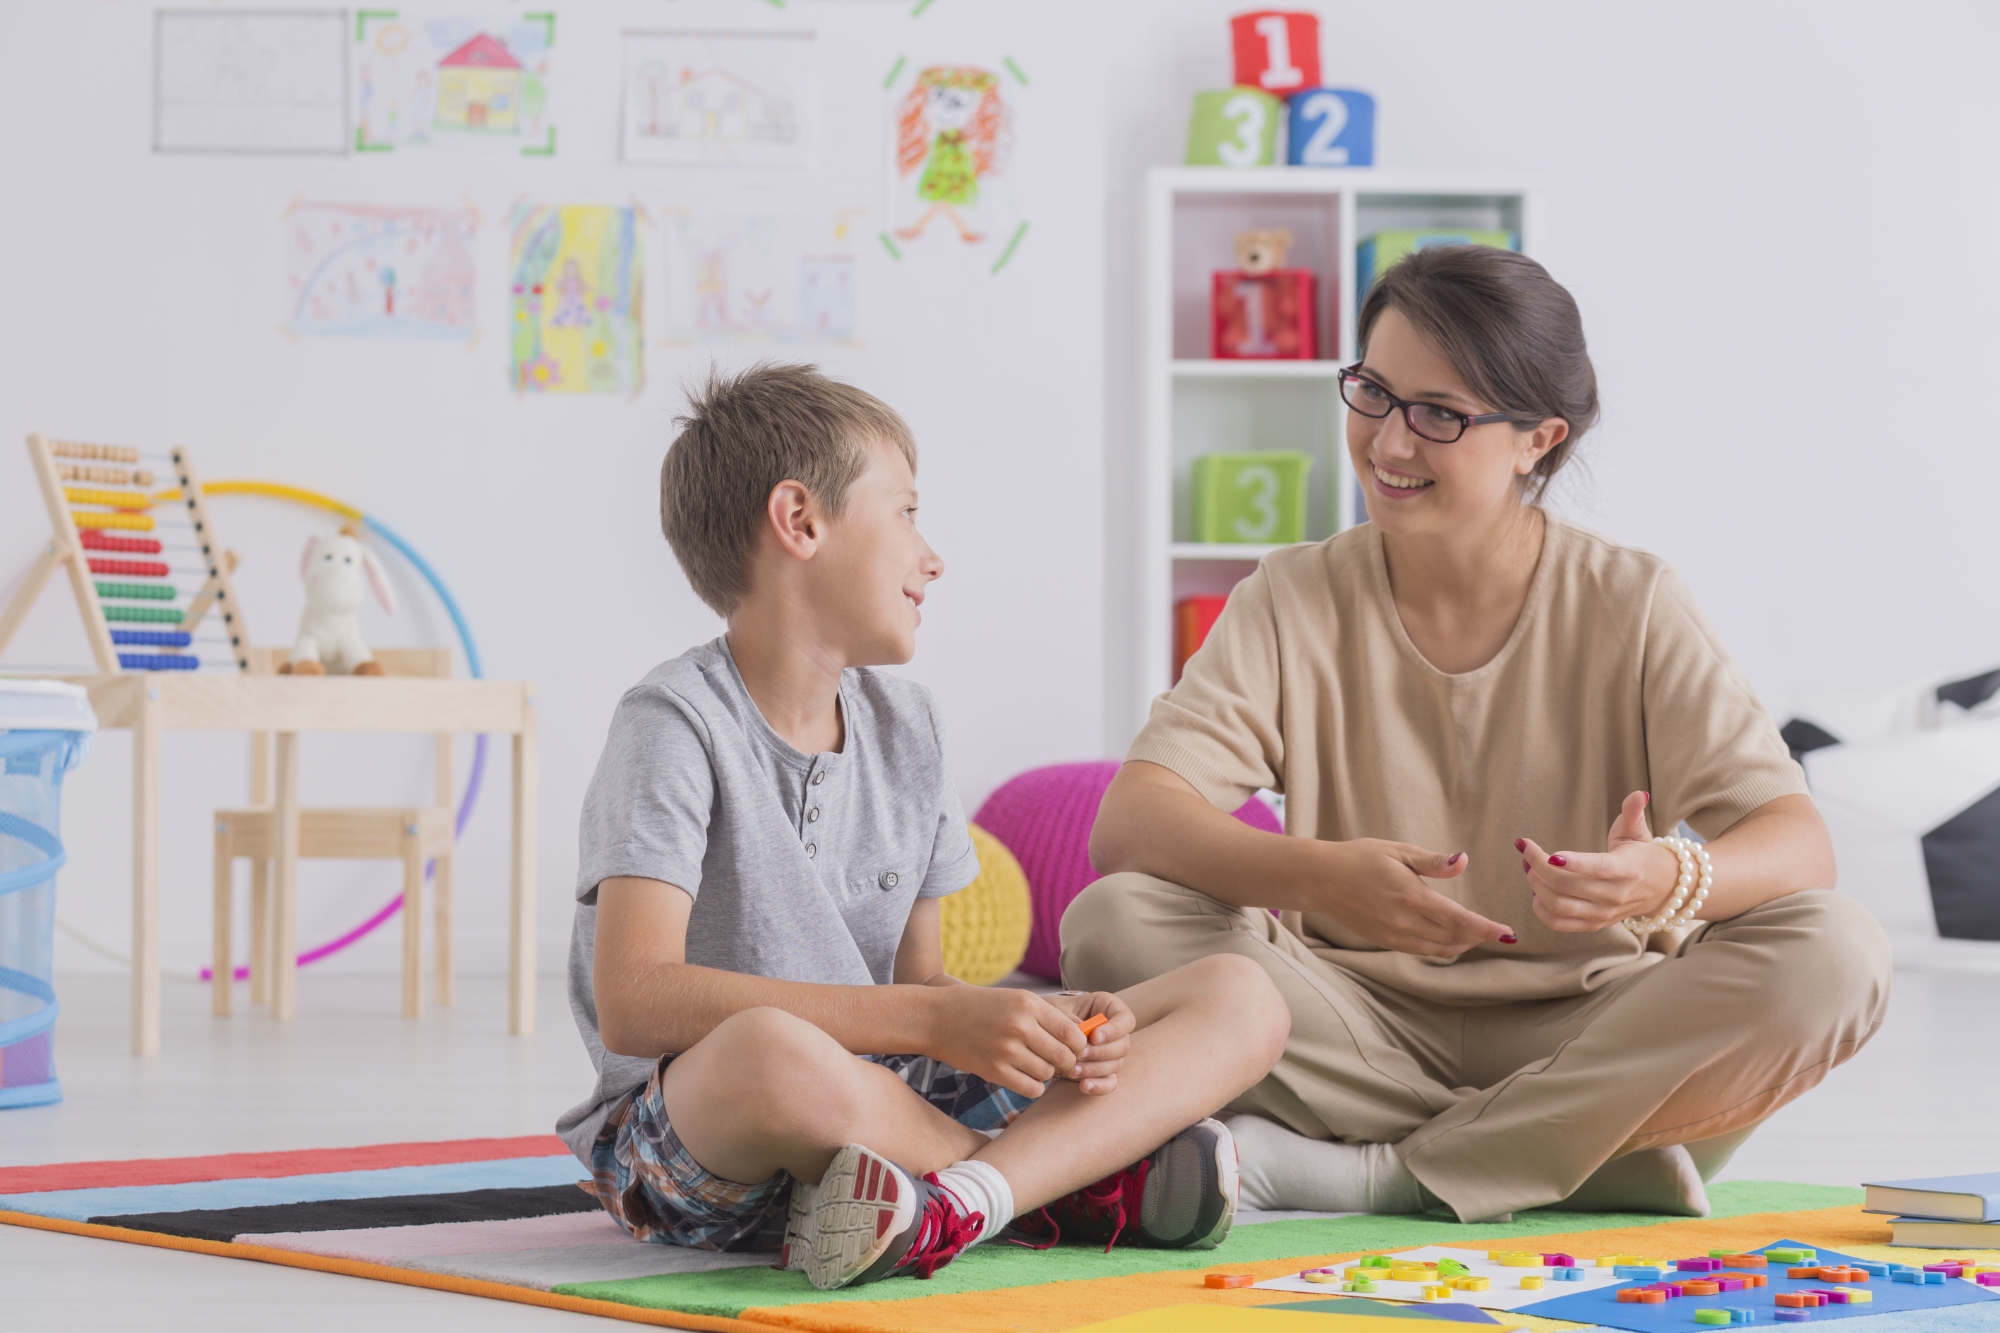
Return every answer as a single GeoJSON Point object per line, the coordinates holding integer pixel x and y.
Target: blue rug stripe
{"type": "Point", "coordinates": [450, 1178]}
{"type": "Point", "coordinates": [1889, 1299]}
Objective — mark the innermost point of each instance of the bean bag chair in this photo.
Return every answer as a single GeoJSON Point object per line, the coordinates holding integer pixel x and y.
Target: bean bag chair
{"type": "Point", "coordinates": [985, 924]}
{"type": "Point", "coordinates": [1044, 817]}
{"type": "Point", "coordinates": [1908, 779]}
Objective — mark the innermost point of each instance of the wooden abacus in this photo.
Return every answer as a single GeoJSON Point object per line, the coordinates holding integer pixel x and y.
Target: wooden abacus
{"type": "Point", "coordinates": [103, 532]}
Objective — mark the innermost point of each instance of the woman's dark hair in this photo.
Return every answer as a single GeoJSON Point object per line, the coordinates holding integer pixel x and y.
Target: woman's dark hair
{"type": "Point", "coordinates": [1510, 330]}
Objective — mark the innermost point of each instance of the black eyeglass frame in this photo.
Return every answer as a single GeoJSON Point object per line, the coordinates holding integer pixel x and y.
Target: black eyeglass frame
{"type": "Point", "coordinates": [1466, 421]}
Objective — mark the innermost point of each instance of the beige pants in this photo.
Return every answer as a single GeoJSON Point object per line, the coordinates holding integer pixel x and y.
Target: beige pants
{"type": "Point", "coordinates": [1513, 1106]}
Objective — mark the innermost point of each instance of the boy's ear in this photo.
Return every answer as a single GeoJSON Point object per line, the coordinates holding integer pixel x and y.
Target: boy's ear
{"type": "Point", "coordinates": [794, 519]}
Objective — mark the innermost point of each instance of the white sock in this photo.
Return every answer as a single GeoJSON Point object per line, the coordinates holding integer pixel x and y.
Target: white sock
{"type": "Point", "coordinates": [980, 1188]}
{"type": "Point", "coordinates": [1281, 1169]}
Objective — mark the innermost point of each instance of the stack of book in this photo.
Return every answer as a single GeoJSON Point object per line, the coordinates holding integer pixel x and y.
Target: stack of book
{"type": "Point", "coordinates": [1941, 1213]}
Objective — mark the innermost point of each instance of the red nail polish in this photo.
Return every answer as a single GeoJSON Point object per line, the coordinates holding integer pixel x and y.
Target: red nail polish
{"type": "Point", "coordinates": [1557, 861]}
{"type": "Point", "coordinates": [1453, 859]}
{"type": "Point", "coordinates": [1648, 795]}
{"type": "Point", "coordinates": [1524, 867]}
{"type": "Point", "coordinates": [1510, 939]}
{"type": "Point", "coordinates": [1520, 844]}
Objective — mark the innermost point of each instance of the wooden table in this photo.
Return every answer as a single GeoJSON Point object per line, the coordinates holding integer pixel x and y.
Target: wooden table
{"type": "Point", "coordinates": [150, 703]}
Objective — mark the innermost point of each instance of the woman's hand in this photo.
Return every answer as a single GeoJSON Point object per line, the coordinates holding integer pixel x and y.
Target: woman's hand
{"type": "Point", "coordinates": [1585, 891]}
{"type": "Point", "coordinates": [1096, 1070]}
{"type": "Point", "coordinates": [1378, 891]}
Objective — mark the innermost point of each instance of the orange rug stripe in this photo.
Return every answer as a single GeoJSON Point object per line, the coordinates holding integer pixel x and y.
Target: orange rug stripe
{"type": "Point", "coordinates": [271, 1165]}
{"type": "Point", "coordinates": [1060, 1306]}
{"type": "Point", "coordinates": [408, 1277]}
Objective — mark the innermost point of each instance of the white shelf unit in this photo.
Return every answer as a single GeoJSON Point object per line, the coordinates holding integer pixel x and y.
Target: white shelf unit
{"type": "Point", "coordinates": [1194, 405]}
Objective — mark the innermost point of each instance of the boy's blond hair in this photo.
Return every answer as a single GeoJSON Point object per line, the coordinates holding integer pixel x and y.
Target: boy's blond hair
{"type": "Point", "coordinates": [742, 435]}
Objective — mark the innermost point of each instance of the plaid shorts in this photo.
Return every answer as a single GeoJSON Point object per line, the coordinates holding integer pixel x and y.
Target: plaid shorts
{"type": "Point", "coordinates": [650, 1184]}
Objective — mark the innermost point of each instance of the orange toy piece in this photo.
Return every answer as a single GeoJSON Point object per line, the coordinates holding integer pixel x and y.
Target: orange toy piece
{"type": "Point", "coordinates": [1697, 1287]}
{"type": "Point", "coordinates": [1091, 1024]}
{"type": "Point", "coordinates": [1744, 1261]}
{"type": "Point", "coordinates": [1224, 1281]}
{"type": "Point", "coordinates": [1814, 1274]}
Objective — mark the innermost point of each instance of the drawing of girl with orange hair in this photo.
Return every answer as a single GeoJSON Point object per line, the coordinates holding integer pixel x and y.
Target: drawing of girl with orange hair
{"type": "Point", "coordinates": [954, 126]}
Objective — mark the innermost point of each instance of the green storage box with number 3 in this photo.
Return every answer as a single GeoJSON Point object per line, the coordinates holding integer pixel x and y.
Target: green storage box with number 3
{"type": "Point", "coordinates": [1237, 127]}
{"type": "Point", "coordinates": [1254, 497]}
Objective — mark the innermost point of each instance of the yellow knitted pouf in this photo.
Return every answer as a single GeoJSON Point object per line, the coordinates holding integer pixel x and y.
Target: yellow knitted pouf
{"type": "Point", "coordinates": [985, 924]}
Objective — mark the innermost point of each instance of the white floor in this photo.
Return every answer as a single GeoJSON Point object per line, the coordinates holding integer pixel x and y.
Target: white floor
{"type": "Point", "coordinates": [1919, 1101]}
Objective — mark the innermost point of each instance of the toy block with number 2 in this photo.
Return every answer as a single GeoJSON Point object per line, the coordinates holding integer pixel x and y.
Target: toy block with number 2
{"type": "Point", "coordinates": [1237, 127]}
{"type": "Point", "coordinates": [1276, 50]}
{"type": "Point", "coordinates": [1330, 127]}
{"type": "Point", "coordinates": [1263, 316]}
{"type": "Point", "coordinates": [1256, 497]}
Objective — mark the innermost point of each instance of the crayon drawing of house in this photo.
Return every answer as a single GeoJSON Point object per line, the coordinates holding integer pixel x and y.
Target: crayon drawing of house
{"type": "Point", "coordinates": [713, 114]}
{"type": "Point", "coordinates": [479, 88]}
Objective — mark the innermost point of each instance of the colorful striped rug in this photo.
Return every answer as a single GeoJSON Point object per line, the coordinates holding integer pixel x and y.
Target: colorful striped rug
{"type": "Point", "coordinates": [505, 1218]}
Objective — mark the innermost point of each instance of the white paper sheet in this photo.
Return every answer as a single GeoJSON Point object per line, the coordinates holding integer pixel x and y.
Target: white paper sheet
{"type": "Point", "coordinates": [241, 81]}
{"type": "Point", "coordinates": [1504, 1294]}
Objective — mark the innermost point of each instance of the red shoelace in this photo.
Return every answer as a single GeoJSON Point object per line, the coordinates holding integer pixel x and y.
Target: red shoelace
{"type": "Point", "coordinates": [1109, 1200]}
{"type": "Point", "coordinates": [942, 1232]}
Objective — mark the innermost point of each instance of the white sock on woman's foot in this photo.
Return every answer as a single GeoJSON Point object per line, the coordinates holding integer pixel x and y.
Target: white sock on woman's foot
{"type": "Point", "coordinates": [1281, 1169]}
{"type": "Point", "coordinates": [980, 1188]}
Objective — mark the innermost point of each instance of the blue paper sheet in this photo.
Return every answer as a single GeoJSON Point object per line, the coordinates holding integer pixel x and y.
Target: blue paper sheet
{"type": "Point", "coordinates": [1602, 1306]}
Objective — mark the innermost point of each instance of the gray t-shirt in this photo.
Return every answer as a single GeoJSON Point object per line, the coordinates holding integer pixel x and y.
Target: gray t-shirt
{"type": "Point", "coordinates": [802, 867]}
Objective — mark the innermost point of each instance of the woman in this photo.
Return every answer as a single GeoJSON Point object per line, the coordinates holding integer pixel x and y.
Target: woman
{"type": "Point", "coordinates": [1496, 1004]}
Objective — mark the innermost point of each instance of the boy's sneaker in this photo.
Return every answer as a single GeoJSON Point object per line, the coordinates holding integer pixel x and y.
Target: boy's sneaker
{"type": "Point", "coordinates": [1181, 1197]}
{"type": "Point", "coordinates": [870, 1219]}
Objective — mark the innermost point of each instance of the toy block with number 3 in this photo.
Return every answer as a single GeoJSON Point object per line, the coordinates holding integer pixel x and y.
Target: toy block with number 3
{"type": "Point", "coordinates": [1237, 127]}
{"type": "Point", "coordinates": [1256, 497]}
{"type": "Point", "coordinates": [1330, 127]}
{"type": "Point", "coordinates": [1276, 50]}
{"type": "Point", "coordinates": [1263, 316]}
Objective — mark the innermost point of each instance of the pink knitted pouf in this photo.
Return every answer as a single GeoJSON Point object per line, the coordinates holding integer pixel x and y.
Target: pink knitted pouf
{"type": "Point", "coordinates": [1044, 818]}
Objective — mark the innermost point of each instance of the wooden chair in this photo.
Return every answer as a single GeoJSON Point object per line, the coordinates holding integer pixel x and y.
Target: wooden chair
{"type": "Point", "coordinates": [410, 834]}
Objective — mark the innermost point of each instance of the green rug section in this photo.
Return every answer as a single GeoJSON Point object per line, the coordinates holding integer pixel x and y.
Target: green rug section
{"type": "Point", "coordinates": [993, 1267]}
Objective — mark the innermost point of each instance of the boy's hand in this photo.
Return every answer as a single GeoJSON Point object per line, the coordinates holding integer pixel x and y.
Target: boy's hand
{"type": "Point", "coordinates": [1096, 1072]}
{"type": "Point", "coordinates": [1012, 1038]}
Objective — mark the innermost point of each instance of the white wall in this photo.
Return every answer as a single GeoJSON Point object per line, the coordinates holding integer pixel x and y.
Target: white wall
{"type": "Point", "coordinates": [1774, 215]}
{"type": "Point", "coordinates": [143, 304]}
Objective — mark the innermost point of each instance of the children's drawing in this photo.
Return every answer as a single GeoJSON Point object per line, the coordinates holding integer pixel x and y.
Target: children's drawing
{"type": "Point", "coordinates": [741, 276]}
{"type": "Point", "coordinates": [954, 138]}
{"type": "Point", "coordinates": [575, 324]}
{"type": "Point", "coordinates": [453, 81]}
{"type": "Point", "coordinates": [720, 98]}
{"type": "Point", "coordinates": [364, 272]}
{"type": "Point", "coordinates": [235, 81]}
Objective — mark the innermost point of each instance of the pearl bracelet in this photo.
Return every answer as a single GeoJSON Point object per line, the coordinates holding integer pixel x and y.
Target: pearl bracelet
{"type": "Point", "coordinates": [1696, 875]}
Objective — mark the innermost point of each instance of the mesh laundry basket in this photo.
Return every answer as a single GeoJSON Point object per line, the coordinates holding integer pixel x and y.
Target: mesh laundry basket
{"type": "Point", "coordinates": [45, 728]}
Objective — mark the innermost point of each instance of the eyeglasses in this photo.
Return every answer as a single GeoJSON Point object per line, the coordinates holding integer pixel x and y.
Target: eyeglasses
{"type": "Point", "coordinates": [1439, 425]}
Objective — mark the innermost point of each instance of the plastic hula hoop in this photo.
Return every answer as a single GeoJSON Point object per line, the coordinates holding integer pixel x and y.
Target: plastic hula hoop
{"type": "Point", "coordinates": [314, 500]}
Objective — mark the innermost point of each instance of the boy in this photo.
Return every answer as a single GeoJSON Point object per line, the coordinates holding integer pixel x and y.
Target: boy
{"type": "Point", "coordinates": [764, 845]}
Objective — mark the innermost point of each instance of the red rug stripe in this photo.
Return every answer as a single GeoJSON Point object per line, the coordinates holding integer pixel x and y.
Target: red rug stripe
{"type": "Point", "coordinates": [269, 1165]}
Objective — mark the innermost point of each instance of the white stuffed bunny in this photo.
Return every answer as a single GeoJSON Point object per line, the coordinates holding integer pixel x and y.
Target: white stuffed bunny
{"type": "Point", "coordinates": [330, 631]}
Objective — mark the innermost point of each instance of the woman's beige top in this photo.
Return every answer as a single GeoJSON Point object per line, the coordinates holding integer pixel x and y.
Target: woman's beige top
{"type": "Point", "coordinates": [1612, 682]}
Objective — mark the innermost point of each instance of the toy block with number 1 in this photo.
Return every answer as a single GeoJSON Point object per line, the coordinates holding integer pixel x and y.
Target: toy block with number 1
{"type": "Point", "coordinates": [1264, 316]}
{"type": "Point", "coordinates": [1251, 497]}
{"type": "Point", "coordinates": [1330, 127]}
{"type": "Point", "coordinates": [1237, 127]}
{"type": "Point", "coordinates": [1276, 50]}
